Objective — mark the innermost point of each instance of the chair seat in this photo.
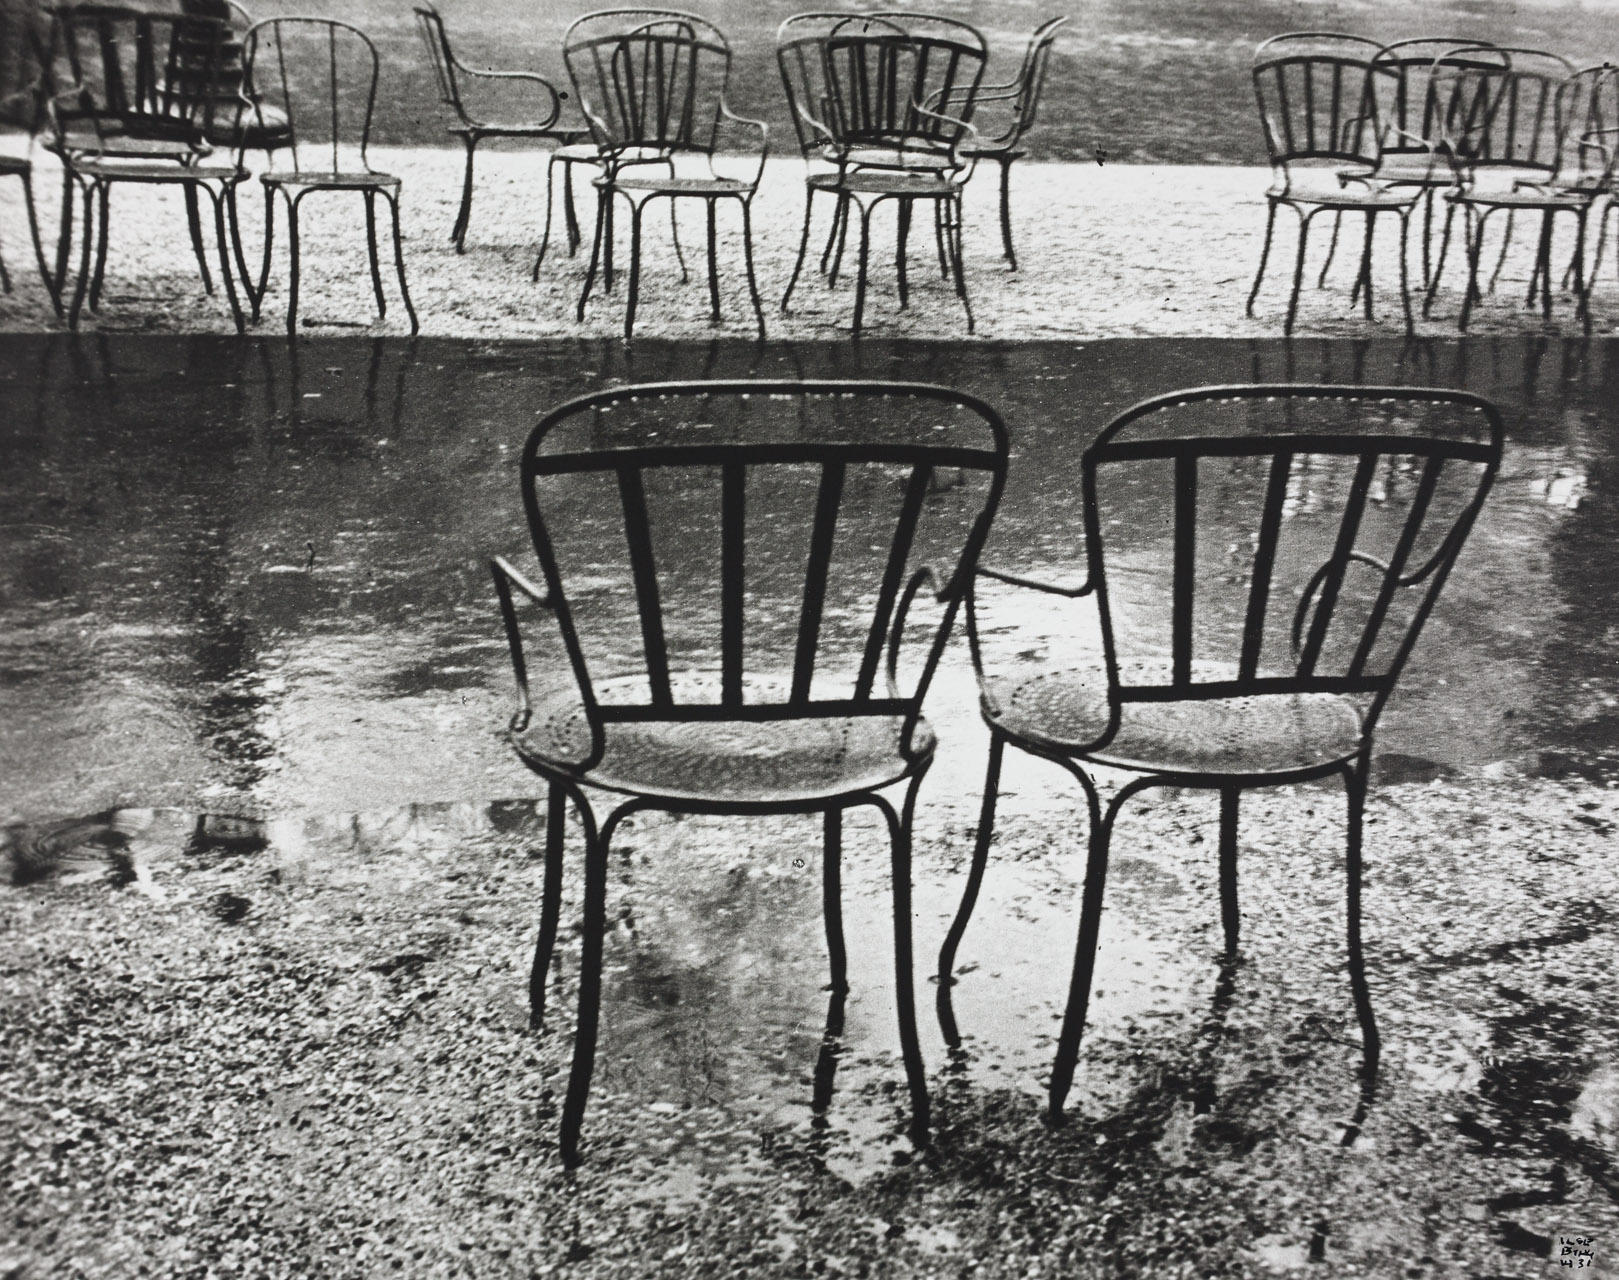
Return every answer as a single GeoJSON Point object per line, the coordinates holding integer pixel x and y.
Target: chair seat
{"type": "Point", "coordinates": [263, 129]}
{"type": "Point", "coordinates": [1354, 195]}
{"type": "Point", "coordinates": [720, 762]}
{"type": "Point", "coordinates": [310, 178]}
{"type": "Point", "coordinates": [1066, 709]}
{"type": "Point", "coordinates": [993, 151]}
{"type": "Point", "coordinates": [516, 129]}
{"type": "Point", "coordinates": [1403, 169]}
{"type": "Point", "coordinates": [1527, 198]}
{"type": "Point", "coordinates": [909, 161]}
{"type": "Point", "coordinates": [879, 182]}
{"type": "Point", "coordinates": [685, 186]}
{"type": "Point", "coordinates": [154, 170]}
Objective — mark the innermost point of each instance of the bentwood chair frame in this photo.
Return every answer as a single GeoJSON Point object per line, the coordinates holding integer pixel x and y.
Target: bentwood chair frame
{"type": "Point", "coordinates": [1323, 109]}
{"type": "Point", "coordinates": [653, 87]}
{"type": "Point", "coordinates": [1168, 716]}
{"type": "Point", "coordinates": [1507, 139]}
{"type": "Point", "coordinates": [1022, 96]}
{"type": "Point", "coordinates": [676, 703]}
{"type": "Point", "coordinates": [867, 94]}
{"type": "Point", "coordinates": [25, 110]}
{"type": "Point", "coordinates": [456, 79]}
{"type": "Point", "coordinates": [143, 98]}
{"type": "Point", "coordinates": [1596, 147]}
{"type": "Point", "coordinates": [269, 87]}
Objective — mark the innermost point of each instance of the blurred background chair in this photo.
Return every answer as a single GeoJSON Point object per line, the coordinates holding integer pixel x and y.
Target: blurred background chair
{"type": "Point", "coordinates": [1016, 105]}
{"type": "Point", "coordinates": [694, 666]}
{"type": "Point", "coordinates": [137, 97]}
{"type": "Point", "coordinates": [1510, 145]}
{"type": "Point", "coordinates": [1593, 151]}
{"type": "Point", "coordinates": [1320, 116]}
{"type": "Point", "coordinates": [320, 76]}
{"type": "Point", "coordinates": [859, 88]}
{"type": "Point", "coordinates": [534, 105]}
{"type": "Point", "coordinates": [652, 86]}
{"type": "Point", "coordinates": [22, 118]}
{"type": "Point", "coordinates": [1246, 640]}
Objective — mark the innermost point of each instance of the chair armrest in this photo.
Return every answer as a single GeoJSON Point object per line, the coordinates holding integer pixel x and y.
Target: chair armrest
{"type": "Point", "coordinates": [520, 77]}
{"type": "Point", "coordinates": [764, 138]}
{"type": "Point", "coordinates": [1308, 595]}
{"type": "Point", "coordinates": [925, 576]}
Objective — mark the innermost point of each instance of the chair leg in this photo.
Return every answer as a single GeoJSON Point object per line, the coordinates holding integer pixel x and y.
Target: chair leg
{"type": "Point", "coordinates": [1298, 271]}
{"type": "Point", "coordinates": [292, 269]}
{"type": "Point", "coordinates": [256, 296]}
{"type": "Point", "coordinates": [1501, 258]}
{"type": "Point", "coordinates": [969, 896]}
{"type": "Point", "coordinates": [747, 262]}
{"type": "Point", "coordinates": [840, 236]}
{"type": "Point", "coordinates": [5, 277]}
{"type": "Point", "coordinates": [227, 274]}
{"type": "Point", "coordinates": [957, 255]}
{"type": "Point", "coordinates": [674, 233]}
{"type": "Point", "coordinates": [860, 276]}
{"type": "Point", "coordinates": [901, 236]}
{"type": "Point", "coordinates": [550, 200]}
{"type": "Point", "coordinates": [713, 261]}
{"type": "Point", "coordinates": [1582, 290]}
{"type": "Point", "coordinates": [1355, 794]}
{"type": "Point", "coordinates": [899, 843]}
{"type": "Point", "coordinates": [803, 246]}
{"type": "Point", "coordinates": [1332, 249]}
{"type": "Point", "coordinates": [1543, 266]}
{"type": "Point", "coordinates": [238, 251]}
{"type": "Point", "coordinates": [570, 212]}
{"type": "Point", "coordinates": [1264, 256]}
{"type": "Point", "coordinates": [88, 238]}
{"type": "Point", "coordinates": [372, 254]}
{"type": "Point", "coordinates": [1432, 288]}
{"type": "Point", "coordinates": [39, 245]}
{"type": "Point", "coordinates": [556, 817]}
{"type": "Point", "coordinates": [103, 226]}
{"type": "Point", "coordinates": [1474, 231]}
{"type": "Point", "coordinates": [1090, 923]}
{"type": "Point", "coordinates": [832, 901]}
{"type": "Point", "coordinates": [635, 269]}
{"type": "Point", "coordinates": [64, 238]}
{"type": "Point", "coordinates": [595, 252]}
{"type": "Point", "coordinates": [590, 982]}
{"type": "Point", "coordinates": [458, 233]}
{"type": "Point", "coordinates": [938, 240]}
{"type": "Point", "coordinates": [392, 197]}
{"type": "Point", "coordinates": [1230, 912]}
{"type": "Point", "coordinates": [1366, 265]}
{"type": "Point", "coordinates": [194, 225]}
{"type": "Point", "coordinates": [1006, 212]}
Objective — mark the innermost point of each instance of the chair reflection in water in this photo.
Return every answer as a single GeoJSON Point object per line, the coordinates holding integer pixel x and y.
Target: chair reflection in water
{"type": "Point", "coordinates": [773, 538]}
{"type": "Point", "coordinates": [1304, 533]}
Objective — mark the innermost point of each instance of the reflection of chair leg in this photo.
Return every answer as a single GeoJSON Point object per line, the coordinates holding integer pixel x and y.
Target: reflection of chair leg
{"type": "Point", "coordinates": [1264, 256]}
{"type": "Point", "coordinates": [1355, 794]}
{"type": "Point", "coordinates": [392, 197]}
{"type": "Point", "coordinates": [590, 979]}
{"type": "Point", "coordinates": [1230, 912]}
{"type": "Point", "coordinates": [371, 252]}
{"type": "Point", "coordinates": [969, 896]}
{"type": "Point", "coordinates": [556, 817]}
{"type": "Point", "coordinates": [194, 223]}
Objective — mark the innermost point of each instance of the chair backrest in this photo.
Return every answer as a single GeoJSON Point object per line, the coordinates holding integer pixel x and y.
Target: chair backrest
{"type": "Point", "coordinates": [1298, 44]}
{"type": "Point", "coordinates": [1319, 106]}
{"type": "Point", "coordinates": [1509, 114]}
{"type": "Point", "coordinates": [319, 76]}
{"type": "Point", "coordinates": [888, 74]}
{"type": "Point", "coordinates": [1411, 110]}
{"type": "Point", "coordinates": [1590, 158]}
{"type": "Point", "coordinates": [130, 75]}
{"type": "Point", "coordinates": [767, 535]}
{"type": "Point", "coordinates": [648, 78]}
{"type": "Point", "coordinates": [437, 40]}
{"type": "Point", "coordinates": [1031, 78]}
{"type": "Point", "coordinates": [1304, 533]}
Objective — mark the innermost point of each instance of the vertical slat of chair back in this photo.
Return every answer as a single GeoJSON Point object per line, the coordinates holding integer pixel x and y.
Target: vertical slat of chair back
{"type": "Point", "coordinates": [801, 58]}
{"type": "Point", "coordinates": [1412, 111]}
{"type": "Point", "coordinates": [321, 75]}
{"type": "Point", "coordinates": [437, 40]}
{"type": "Point", "coordinates": [1032, 77]}
{"type": "Point", "coordinates": [1319, 107]}
{"type": "Point", "coordinates": [648, 78]}
{"type": "Point", "coordinates": [771, 565]}
{"type": "Point", "coordinates": [879, 75]}
{"type": "Point", "coordinates": [1304, 534]}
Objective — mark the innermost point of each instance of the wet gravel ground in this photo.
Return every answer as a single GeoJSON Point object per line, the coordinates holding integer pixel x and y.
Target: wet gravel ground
{"type": "Point", "coordinates": [298, 1047]}
{"type": "Point", "coordinates": [1105, 251]}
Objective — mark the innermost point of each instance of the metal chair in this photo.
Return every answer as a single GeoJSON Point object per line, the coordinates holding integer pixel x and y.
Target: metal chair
{"type": "Point", "coordinates": [320, 75]}
{"type": "Point", "coordinates": [538, 120]}
{"type": "Point", "coordinates": [22, 113]}
{"type": "Point", "coordinates": [1507, 138]}
{"type": "Point", "coordinates": [1257, 652]}
{"type": "Point", "coordinates": [652, 86]}
{"type": "Point", "coordinates": [1594, 123]}
{"type": "Point", "coordinates": [696, 666]}
{"type": "Point", "coordinates": [144, 96]}
{"type": "Point", "coordinates": [1022, 96]}
{"type": "Point", "coordinates": [860, 87]}
{"type": "Point", "coordinates": [1320, 113]}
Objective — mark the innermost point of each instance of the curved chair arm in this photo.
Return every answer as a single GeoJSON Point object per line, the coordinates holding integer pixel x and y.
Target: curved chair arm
{"type": "Point", "coordinates": [1307, 597]}
{"type": "Point", "coordinates": [507, 578]}
{"type": "Point", "coordinates": [973, 138]}
{"type": "Point", "coordinates": [764, 139]}
{"type": "Point", "coordinates": [528, 77]}
{"type": "Point", "coordinates": [1034, 584]}
{"type": "Point", "coordinates": [1014, 580]}
{"type": "Point", "coordinates": [926, 575]}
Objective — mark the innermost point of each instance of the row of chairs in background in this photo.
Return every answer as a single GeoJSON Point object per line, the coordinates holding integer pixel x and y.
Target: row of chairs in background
{"type": "Point", "coordinates": [1356, 126]}
{"type": "Point", "coordinates": [127, 96]}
